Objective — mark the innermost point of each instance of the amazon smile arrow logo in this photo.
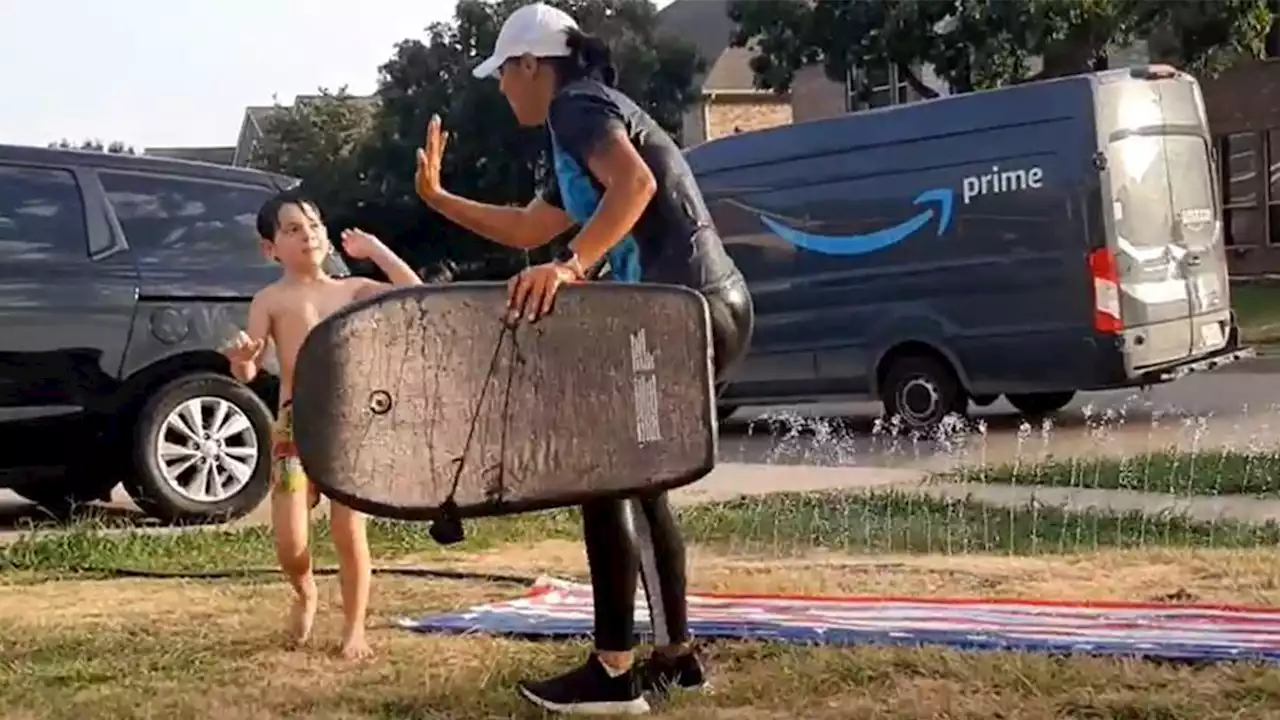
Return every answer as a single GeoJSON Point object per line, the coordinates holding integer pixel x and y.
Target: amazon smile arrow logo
{"type": "Point", "coordinates": [870, 242]}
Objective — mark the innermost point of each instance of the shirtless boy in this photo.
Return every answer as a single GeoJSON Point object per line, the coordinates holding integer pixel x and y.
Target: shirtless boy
{"type": "Point", "coordinates": [282, 314]}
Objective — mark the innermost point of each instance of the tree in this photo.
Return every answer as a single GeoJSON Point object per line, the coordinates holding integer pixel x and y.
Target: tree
{"type": "Point", "coordinates": [324, 141]}
{"type": "Point", "coordinates": [974, 44]}
{"type": "Point", "coordinates": [115, 147]}
{"type": "Point", "coordinates": [489, 157]}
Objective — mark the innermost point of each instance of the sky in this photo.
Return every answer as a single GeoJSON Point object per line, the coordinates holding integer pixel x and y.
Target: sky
{"type": "Point", "coordinates": [162, 73]}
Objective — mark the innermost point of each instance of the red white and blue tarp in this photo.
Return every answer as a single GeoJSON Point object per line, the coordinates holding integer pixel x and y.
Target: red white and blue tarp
{"type": "Point", "coordinates": [558, 609]}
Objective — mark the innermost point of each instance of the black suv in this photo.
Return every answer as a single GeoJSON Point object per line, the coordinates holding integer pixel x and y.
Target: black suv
{"type": "Point", "coordinates": [120, 277]}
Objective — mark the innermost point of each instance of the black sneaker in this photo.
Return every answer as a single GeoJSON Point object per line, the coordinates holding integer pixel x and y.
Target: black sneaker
{"type": "Point", "coordinates": [588, 690]}
{"type": "Point", "coordinates": [661, 674]}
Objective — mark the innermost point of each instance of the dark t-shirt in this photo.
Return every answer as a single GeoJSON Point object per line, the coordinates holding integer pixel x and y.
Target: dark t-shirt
{"type": "Point", "coordinates": [675, 240]}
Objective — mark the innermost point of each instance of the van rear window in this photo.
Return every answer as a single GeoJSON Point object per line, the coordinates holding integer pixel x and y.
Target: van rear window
{"type": "Point", "coordinates": [1163, 192]}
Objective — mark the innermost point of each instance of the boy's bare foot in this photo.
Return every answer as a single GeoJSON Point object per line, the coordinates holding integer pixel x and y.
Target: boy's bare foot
{"type": "Point", "coordinates": [354, 646]}
{"type": "Point", "coordinates": [302, 616]}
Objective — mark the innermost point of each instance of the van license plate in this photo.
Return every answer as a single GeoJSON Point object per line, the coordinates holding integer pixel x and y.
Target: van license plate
{"type": "Point", "coordinates": [1211, 334]}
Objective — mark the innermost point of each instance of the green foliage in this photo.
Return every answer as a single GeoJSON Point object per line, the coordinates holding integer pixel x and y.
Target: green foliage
{"type": "Point", "coordinates": [115, 147]}
{"type": "Point", "coordinates": [324, 140]}
{"type": "Point", "coordinates": [974, 44]}
{"type": "Point", "coordinates": [360, 157]}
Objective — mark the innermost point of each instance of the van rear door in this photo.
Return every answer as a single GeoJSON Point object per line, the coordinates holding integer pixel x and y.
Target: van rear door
{"type": "Point", "coordinates": [1167, 239]}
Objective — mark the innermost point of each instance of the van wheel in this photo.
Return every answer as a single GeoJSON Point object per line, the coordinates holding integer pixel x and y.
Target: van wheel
{"type": "Point", "coordinates": [922, 391]}
{"type": "Point", "coordinates": [201, 451]}
{"type": "Point", "coordinates": [1041, 403]}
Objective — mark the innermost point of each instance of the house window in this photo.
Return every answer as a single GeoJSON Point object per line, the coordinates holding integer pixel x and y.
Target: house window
{"type": "Point", "coordinates": [1241, 154]}
{"type": "Point", "coordinates": [876, 85]}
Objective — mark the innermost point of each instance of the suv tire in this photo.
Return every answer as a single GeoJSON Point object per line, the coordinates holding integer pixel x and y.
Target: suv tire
{"type": "Point", "coordinates": [215, 436]}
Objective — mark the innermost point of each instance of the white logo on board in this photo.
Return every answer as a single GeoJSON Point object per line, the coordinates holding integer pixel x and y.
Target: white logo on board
{"type": "Point", "coordinates": [644, 381]}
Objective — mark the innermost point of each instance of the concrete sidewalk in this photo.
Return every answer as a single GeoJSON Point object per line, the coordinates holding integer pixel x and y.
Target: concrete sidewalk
{"type": "Point", "coordinates": [730, 480]}
{"type": "Point", "coordinates": [734, 480]}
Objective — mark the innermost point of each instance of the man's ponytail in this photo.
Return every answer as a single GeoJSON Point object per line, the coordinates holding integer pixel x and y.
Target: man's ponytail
{"type": "Point", "coordinates": [589, 57]}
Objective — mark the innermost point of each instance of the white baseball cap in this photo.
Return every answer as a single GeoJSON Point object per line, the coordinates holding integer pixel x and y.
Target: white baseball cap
{"type": "Point", "coordinates": [538, 30]}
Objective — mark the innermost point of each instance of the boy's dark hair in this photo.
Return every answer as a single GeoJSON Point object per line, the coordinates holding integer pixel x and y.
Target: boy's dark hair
{"type": "Point", "coordinates": [269, 214]}
{"type": "Point", "coordinates": [589, 57]}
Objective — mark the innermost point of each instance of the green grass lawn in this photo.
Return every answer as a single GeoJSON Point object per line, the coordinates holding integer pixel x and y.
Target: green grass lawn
{"type": "Point", "coordinates": [1257, 307]}
{"type": "Point", "coordinates": [77, 646]}
{"type": "Point", "coordinates": [777, 525]}
{"type": "Point", "coordinates": [1215, 472]}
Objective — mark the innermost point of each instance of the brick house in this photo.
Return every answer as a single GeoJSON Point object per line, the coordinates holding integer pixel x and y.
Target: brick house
{"type": "Point", "coordinates": [224, 155]}
{"type": "Point", "coordinates": [238, 155]}
{"type": "Point", "coordinates": [251, 131]}
{"type": "Point", "coordinates": [731, 103]}
{"type": "Point", "coordinates": [1244, 113]}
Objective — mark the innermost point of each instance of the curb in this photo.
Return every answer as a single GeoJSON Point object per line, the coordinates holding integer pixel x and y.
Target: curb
{"type": "Point", "coordinates": [1263, 362]}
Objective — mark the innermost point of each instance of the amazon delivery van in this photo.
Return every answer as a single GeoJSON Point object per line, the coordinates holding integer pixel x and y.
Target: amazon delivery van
{"type": "Point", "coordinates": [1032, 242]}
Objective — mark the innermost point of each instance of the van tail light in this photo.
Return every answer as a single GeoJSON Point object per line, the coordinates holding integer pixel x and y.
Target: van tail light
{"type": "Point", "coordinates": [1106, 292]}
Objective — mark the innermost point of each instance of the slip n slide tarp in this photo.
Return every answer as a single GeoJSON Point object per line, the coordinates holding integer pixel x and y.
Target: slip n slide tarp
{"type": "Point", "coordinates": [558, 609]}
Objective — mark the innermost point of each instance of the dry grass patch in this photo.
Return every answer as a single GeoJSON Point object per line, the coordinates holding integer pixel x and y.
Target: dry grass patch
{"type": "Point", "coordinates": [84, 649]}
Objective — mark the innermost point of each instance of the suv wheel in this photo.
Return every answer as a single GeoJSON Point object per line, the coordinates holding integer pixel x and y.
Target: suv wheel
{"type": "Point", "coordinates": [202, 450]}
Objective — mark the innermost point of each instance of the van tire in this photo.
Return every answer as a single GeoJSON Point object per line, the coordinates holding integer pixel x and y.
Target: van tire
{"type": "Point", "coordinates": [1037, 404]}
{"type": "Point", "coordinates": [930, 383]}
{"type": "Point", "coordinates": [150, 487]}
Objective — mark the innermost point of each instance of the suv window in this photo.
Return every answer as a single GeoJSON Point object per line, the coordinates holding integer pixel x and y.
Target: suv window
{"type": "Point", "coordinates": [41, 215]}
{"type": "Point", "coordinates": [169, 221]}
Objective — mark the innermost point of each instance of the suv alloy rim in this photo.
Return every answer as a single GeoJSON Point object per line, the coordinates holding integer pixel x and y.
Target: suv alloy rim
{"type": "Point", "coordinates": [207, 449]}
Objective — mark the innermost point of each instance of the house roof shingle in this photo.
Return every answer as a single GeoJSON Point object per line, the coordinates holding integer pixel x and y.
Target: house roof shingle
{"type": "Point", "coordinates": [215, 155]}
{"type": "Point", "coordinates": [705, 24]}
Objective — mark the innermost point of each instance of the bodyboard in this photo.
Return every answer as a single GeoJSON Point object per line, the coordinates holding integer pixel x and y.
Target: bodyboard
{"type": "Point", "coordinates": [424, 394]}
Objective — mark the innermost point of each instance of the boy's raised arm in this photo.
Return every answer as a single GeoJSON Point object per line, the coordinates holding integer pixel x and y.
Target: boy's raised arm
{"type": "Point", "coordinates": [396, 270]}
{"type": "Point", "coordinates": [363, 246]}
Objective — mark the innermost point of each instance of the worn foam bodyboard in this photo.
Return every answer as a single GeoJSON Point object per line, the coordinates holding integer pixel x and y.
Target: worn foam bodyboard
{"type": "Point", "coordinates": [400, 397]}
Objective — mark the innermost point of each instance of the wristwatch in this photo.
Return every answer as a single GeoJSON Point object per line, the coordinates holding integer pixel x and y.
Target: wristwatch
{"type": "Point", "coordinates": [567, 257]}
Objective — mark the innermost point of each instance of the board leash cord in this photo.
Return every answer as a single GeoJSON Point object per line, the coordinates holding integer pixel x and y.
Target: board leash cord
{"type": "Point", "coordinates": [448, 530]}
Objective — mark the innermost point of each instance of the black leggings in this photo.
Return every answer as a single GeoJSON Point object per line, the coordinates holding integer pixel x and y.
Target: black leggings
{"type": "Point", "coordinates": [633, 537]}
